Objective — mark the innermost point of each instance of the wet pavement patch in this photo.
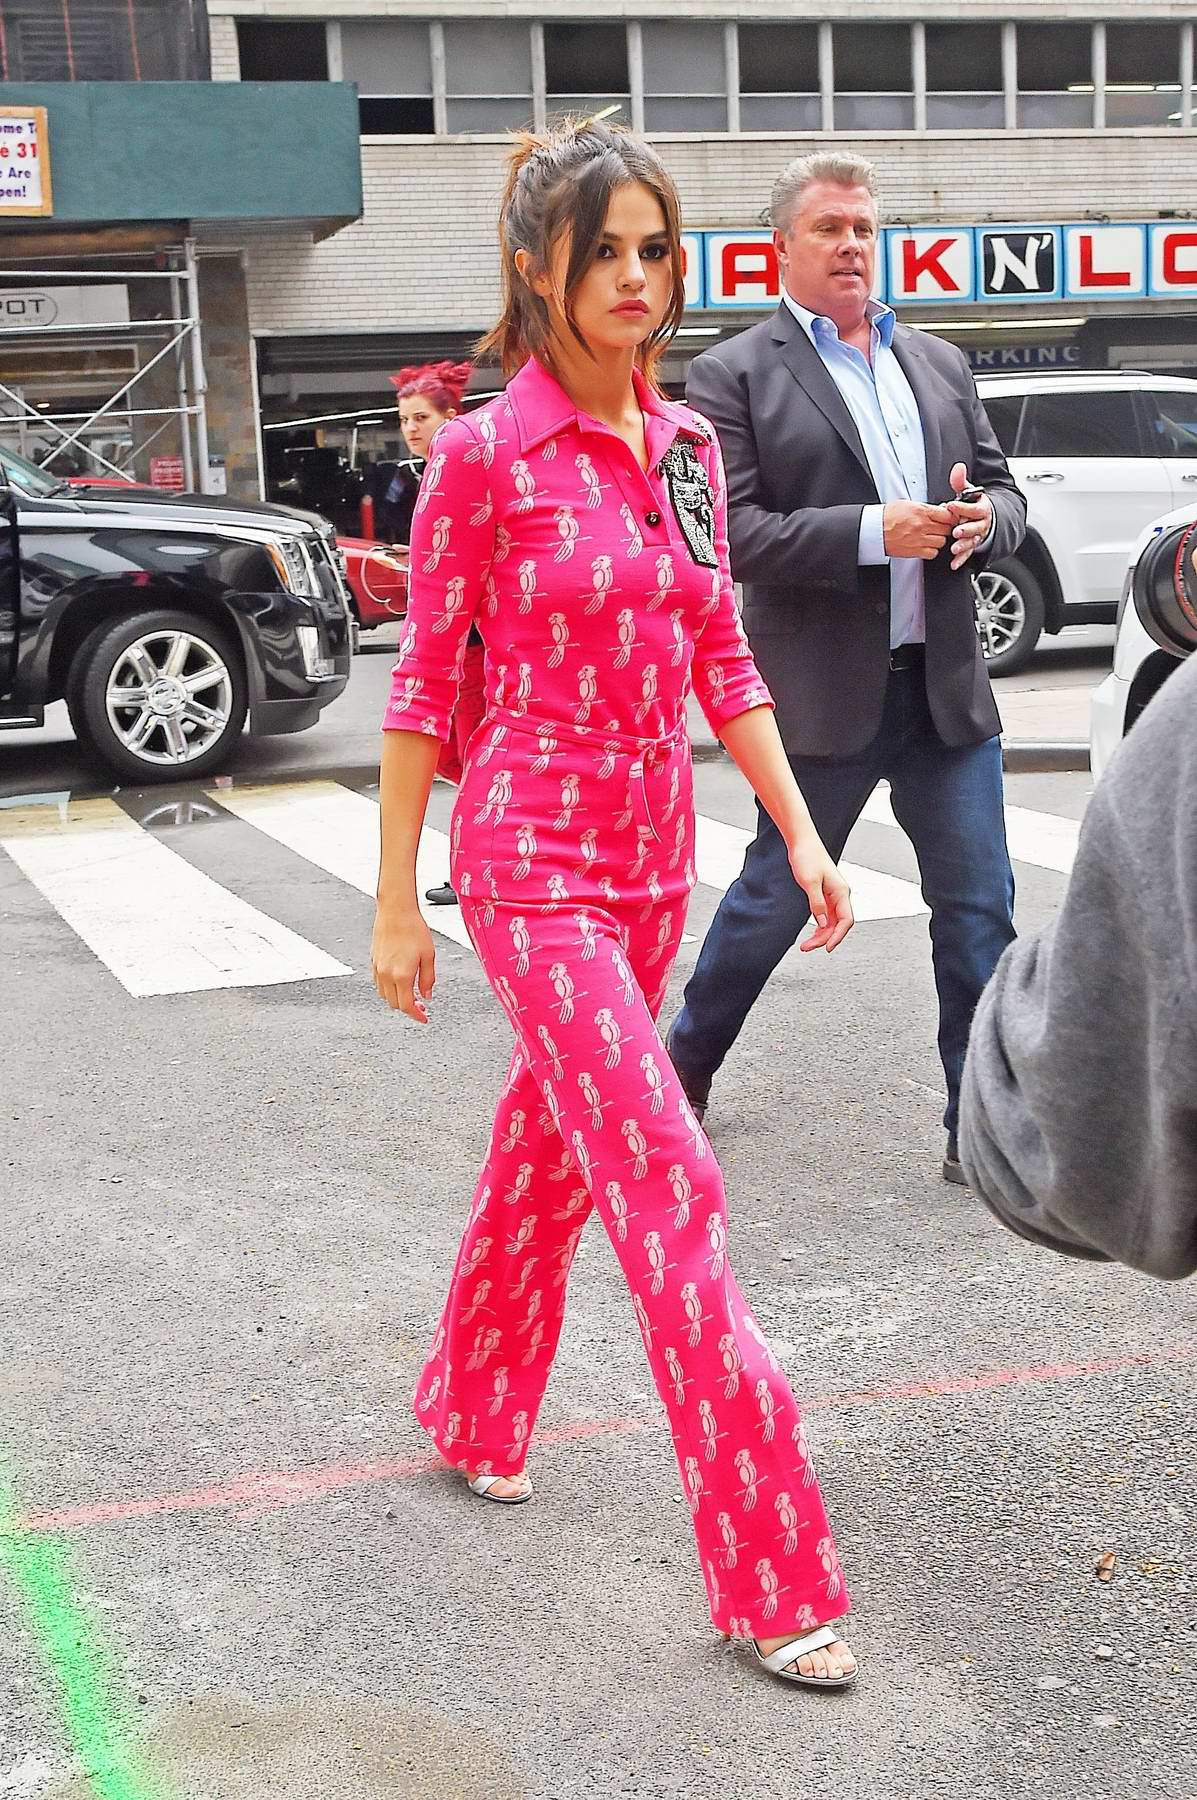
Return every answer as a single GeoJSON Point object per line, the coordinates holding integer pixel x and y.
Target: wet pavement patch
{"type": "Point", "coordinates": [219, 1747]}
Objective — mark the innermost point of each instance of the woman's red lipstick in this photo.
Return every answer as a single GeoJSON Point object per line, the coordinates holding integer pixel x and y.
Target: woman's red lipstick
{"type": "Point", "coordinates": [631, 306]}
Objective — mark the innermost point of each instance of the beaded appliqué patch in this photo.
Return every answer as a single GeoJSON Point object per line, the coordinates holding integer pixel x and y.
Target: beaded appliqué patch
{"type": "Point", "coordinates": [692, 501]}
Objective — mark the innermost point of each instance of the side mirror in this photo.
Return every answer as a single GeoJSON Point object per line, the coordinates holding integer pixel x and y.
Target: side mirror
{"type": "Point", "coordinates": [1164, 589]}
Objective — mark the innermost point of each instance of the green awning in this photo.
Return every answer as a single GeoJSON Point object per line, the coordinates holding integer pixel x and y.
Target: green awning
{"type": "Point", "coordinates": [245, 152]}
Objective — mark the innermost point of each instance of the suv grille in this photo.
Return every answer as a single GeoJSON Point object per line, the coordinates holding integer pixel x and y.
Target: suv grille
{"type": "Point", "coordinates": [326, 550]}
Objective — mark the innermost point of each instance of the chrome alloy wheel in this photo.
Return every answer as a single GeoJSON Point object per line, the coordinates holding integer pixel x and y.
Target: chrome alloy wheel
{"type": "Point", "coordinates": [1001, 613]}
{"type": "Point", "coordinates": [169, 697]}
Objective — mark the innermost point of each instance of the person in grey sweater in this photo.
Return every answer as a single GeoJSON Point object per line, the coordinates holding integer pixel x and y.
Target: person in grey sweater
{"type": "Point", "coordinates": [1078, 1110]}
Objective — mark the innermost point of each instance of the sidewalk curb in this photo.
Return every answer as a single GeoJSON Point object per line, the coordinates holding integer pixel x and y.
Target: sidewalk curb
{"type": "Point", "coordinates": [1022, 757]}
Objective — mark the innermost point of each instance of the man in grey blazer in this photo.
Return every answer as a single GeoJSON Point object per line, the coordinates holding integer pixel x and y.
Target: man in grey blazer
{"type": "Point", "coordinates": [848, 441]}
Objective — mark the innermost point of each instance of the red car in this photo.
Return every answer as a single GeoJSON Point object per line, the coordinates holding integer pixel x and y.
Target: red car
{"type": "Point", "coordinates": [377, 577]}
{"type": "Point", "coordinates": [376, 573]}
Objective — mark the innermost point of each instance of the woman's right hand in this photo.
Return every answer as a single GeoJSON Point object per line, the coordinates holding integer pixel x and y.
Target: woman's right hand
{"type": "Point", "coordinates": [403, 958]}
{"type": "Point", "coordinates": [826, 888]}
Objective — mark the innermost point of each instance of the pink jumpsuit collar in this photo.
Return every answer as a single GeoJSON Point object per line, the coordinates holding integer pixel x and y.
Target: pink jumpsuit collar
{"type": "Point", "coordinates": [541, 408]}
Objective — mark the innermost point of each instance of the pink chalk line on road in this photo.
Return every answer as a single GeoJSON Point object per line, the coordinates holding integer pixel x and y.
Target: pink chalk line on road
{"type": "Point", "coordinates": [977, 1383]}
{"type": "Point", "coordinates": [262, 1491]}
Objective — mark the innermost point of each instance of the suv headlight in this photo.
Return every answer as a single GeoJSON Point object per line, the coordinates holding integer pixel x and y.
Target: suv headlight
{"type": "Point", "coordinates": [294, 566]}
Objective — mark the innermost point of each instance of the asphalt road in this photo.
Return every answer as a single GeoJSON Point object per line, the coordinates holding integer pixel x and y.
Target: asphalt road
{"type": "Point", "coordinates": [230, 1217]}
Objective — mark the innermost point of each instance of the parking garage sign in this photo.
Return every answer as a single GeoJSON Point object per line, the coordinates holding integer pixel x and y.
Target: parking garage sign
{"type": "Point", "coordinates": [1017, 263]}
{"type": "Point", "coordinates": [24, 162]}
{"type": "Point", "coordinates": [954, 265]}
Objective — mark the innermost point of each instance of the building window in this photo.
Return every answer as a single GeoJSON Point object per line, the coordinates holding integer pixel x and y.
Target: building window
{"type": "Point", "coordinates": [103, 40]}
{"type": "Point", "coordinates": [964, 77]}
{"type": "Point", "coordinates": [391, 62]}
{"type": "Point", "coordinates": [58, 47]}
{"type": "Point", "coordinates": [1055, 75]}
{"type": "Point", "coordinates": [586, 69]}
{"type": "Point", "coordinates": [1143, 73]}
{"type": "Point", "coordinates": [685, 77]}
{"type": "Point", "coordinates": [488, 72]}
{"type": "Point", "coordinates": [282, 51]}
{"type": "Point", "coordinates": [779, 78]}
{"type": "Point", "coordinates": [874, 84]}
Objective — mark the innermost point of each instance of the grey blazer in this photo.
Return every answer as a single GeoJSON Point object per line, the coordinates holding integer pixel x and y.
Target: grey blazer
{"type": "Point", "coordinates": [797, 479]}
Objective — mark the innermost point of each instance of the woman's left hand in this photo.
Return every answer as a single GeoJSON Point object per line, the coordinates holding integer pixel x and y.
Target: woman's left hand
{"type": "Point", "coordinates": [826, 889]}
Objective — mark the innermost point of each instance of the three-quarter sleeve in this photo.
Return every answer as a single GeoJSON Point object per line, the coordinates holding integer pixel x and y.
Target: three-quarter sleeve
{"type": "Point", "coordinates": [726, 679]}
{"type": "Point", "coordinates": [452, 543]}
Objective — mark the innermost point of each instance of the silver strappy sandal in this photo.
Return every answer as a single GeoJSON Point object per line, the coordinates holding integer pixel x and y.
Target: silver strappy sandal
{"type": "Point", "coordinates": [482, 1485]}
{"type": "Point", "coordinates": [778, 1661]}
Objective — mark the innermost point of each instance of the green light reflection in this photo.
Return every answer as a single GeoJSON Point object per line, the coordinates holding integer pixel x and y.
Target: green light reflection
{"type": "Point", "coordinates": [38, 1569]}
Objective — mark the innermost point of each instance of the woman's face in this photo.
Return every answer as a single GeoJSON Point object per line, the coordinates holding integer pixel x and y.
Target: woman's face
{"type": "Point", "coordinates": [418, 420]}
{"type": "Point", "coordinates": [625, 293]}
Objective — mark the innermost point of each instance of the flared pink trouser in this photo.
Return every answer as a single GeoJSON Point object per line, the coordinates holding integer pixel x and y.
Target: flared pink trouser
{"type": "Point", "coordinates": [592, 1116]}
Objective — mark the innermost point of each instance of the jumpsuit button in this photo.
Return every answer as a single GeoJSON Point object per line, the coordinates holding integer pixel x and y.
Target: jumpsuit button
{"type": "Point", "coordinates": [652, 518]}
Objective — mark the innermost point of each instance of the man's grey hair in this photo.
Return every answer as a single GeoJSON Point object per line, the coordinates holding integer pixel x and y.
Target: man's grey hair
{"type": "Point", "coordinates": [822, 165]}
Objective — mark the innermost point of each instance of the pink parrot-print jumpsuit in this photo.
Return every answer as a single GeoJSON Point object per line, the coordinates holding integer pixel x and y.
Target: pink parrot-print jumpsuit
{"type": "Point", "coordinates": [603, 592]}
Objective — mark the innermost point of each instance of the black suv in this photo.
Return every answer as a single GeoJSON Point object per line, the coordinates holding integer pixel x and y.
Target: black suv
{"type": "Point", "coordinates": [164, 620]}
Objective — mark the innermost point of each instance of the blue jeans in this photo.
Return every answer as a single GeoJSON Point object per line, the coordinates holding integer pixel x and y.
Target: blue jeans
{"type": "Point", "coordinates": [949, 804]}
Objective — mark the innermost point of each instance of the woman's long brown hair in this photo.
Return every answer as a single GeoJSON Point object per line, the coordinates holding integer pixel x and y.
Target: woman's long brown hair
{"type": "Point", "coordinates": [558, 181]}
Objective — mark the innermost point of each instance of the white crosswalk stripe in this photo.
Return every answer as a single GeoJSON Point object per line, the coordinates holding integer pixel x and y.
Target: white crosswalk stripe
{"type": "Point", "coordinates": [337, 829]}
{"type": "Point", "coordinates": [162, 926]}
{"type": "Point", "coordinates": [719, 856]}
{"type": "Point", "coordinates": [1042, 839]}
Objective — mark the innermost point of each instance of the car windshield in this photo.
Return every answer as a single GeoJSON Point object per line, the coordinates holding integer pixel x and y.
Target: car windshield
{"type": "Point", "coordinates": [27, 478]}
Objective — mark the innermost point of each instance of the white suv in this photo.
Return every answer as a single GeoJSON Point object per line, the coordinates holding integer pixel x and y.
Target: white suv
{"type": "Point", "coordinates": [1099, 455]}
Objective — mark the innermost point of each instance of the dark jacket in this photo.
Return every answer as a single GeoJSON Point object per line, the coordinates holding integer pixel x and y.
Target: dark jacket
{"type": "Point", "coordinates": [399, 496]}
{"type": "Point", "coordinates": [797, 480]}
{"type": "Point", "coordinates": [1078, 1113]}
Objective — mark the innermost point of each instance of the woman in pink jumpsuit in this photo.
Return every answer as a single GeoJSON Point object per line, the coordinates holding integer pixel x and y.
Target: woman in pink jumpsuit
{"type": "Point", "coordinates": [581, 518]}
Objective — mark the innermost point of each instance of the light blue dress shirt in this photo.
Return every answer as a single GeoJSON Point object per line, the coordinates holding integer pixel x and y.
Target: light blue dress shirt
{"type": "Point", "coordinates": [886, 414]}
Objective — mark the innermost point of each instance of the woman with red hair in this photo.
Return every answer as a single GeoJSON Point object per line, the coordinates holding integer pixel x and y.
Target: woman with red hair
{"type": "Point", "coordinates": [426, 397]}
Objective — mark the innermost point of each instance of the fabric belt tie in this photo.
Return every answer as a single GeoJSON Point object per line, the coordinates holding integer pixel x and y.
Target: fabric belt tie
{"type": "Point", "coordinates": [642, 753]}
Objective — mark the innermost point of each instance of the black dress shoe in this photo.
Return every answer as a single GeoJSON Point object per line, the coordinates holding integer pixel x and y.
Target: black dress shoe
{"type": "Point", "coordinates": [441, 896]}
{"type": "Point", "coordinates": [697, 1088]}
{"type": "Point", "coordinates": [952, 1169]}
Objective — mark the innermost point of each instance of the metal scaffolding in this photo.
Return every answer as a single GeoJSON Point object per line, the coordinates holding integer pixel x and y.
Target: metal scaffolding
{"type": "Point", "coordinates": [183, 343]}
